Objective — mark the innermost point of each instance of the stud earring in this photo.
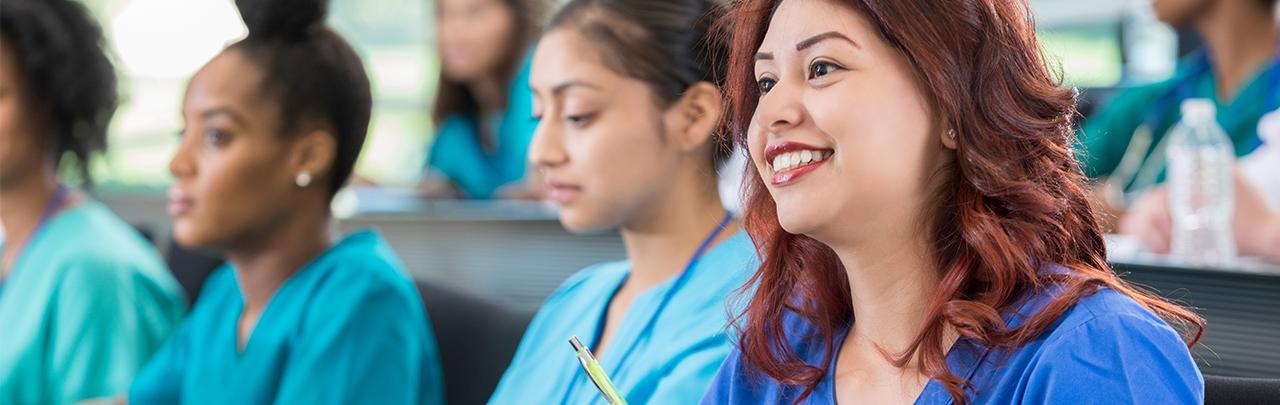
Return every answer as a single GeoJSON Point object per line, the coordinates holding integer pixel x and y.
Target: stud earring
{"type": "Point", "coordinates": [303, 180]}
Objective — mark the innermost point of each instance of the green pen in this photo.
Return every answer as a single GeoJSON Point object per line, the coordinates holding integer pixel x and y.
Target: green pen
{"type": "Point", "coordinates": [596, 373]}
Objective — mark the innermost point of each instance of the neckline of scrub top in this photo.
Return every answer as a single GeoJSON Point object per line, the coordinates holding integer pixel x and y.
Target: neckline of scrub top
{"type": "Point", "coordinates": [640, 305]}
{"type": "Point", "coordinates": [358, 238]}
{"type": "Point", "coordinates": [964, 356]}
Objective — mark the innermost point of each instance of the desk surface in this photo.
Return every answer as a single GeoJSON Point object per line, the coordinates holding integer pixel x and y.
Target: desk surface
{"type": "Point", "coordinates": [1124, 251]}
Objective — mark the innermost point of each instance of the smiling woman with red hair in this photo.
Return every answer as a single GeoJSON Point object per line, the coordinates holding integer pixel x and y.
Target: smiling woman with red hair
{"type": "Point", "coordinates": [923, 222]}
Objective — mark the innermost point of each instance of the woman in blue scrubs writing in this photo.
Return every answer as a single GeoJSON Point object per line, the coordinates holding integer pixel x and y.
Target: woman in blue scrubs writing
{"type": "Point", "coordinates": [1238, 68]}
{"type": "Point", "coordinates": [274, 124]}
{"type": "Point", "coordinates": [629, 136]}
{"type": "Point", "coordinates": [481, 110]}
{"type": "Point", "coordinates": [945, 250]}
{"type": "Point", "coordinates": [85, 300]}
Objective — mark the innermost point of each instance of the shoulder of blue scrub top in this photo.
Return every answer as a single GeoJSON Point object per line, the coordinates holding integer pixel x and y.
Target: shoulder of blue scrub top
{"type": "Point", "coordinates": [1134, 346]}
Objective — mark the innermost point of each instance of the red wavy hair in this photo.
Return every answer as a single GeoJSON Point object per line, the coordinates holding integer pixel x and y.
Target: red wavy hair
{"type": "Point", "coordinates": [1013, 199]}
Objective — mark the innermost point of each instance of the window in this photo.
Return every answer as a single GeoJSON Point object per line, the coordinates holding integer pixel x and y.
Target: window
{"type": "Point", "coordinates": [158, 44]}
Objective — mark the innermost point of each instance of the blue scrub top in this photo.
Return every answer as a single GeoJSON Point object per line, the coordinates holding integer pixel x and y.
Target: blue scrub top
{"type": "Point", "coordinates": [670, 364]}
{"type": "Point", "coordinates": [1105, 349]}
{"type": "Point", "coordinates": [347, 328]}
{"type": "Point", "coordinates": [458, 155]}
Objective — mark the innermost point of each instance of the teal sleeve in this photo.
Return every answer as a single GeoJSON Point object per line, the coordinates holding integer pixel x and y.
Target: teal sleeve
{"type": "Point", "coordinates": [518, 126]}
{"type": "Point", "coordinates": [160, 381]}
{"type": "Point", "coordinates": [105, 329]}
{"type": "Point", "coordinates": [691, 376]}
{"type": "Point", "coordinates": [368, 344]}
{"type": "Point", "coordinates": [1106, 135]}
{"type": "Point", "coordinates": [456, 153]}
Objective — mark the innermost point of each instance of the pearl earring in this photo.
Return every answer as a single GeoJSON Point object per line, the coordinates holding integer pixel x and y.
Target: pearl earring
{"type": "Point", "coordinates": [303, 180]}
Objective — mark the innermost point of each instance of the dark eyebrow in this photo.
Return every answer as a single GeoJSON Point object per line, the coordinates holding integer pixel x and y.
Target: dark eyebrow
{"type": "Point", "coordinates": [800, 46]}
{"type": "Point", "coordinates": [560, 88]}
{"type": "Point", "coordinates": [764, 56]}
{"type": "Point", "coordinates": [216, 111]}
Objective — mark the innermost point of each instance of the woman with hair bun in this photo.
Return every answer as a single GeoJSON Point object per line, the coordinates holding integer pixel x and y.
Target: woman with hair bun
{"type": "Point", "coordinates": [273, 127]}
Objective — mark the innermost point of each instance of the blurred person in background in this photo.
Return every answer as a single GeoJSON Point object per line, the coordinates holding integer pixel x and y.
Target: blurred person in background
{"type": "Point", "coordinates": [629, 136]}
{"type": "Point", "coordinates": [274, 125]}
{"type": "Point", "coordinates": [85, 300]}
{"type": "Point", "coordinates": [1256, 222]}
{"type": "Point", "coordinates": [482, 105]}
{"type": "Point", "coordinates": [1238, 67]}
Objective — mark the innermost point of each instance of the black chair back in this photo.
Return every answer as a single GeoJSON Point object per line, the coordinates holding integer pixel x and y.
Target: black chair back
{"type": "Point", "coordinates": [476, 339]}
{"type": "Point", "coordinates": [1219, 390]}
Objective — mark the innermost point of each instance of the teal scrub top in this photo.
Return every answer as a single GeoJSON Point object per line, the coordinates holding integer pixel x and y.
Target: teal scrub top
{"type": "Point", "coordinates": [458, 155]}
{"type": "Point", "coordinates": [84, 307]}
{"type": "Point", "coordinates": [347, 328]}
{"type": "Point", "coordinates": [672, 363]}
{"type": "Point", "coordinates": [1107, 135]}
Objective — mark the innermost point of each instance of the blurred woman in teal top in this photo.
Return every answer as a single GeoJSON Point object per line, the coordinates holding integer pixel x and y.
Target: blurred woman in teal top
{"type": "Point", "coordinates": [482, 104]}
{"type": "Point", "coordinates": [629, 137]}
{"type": "Point", "coordinates": [84, 299]}
{"type": "Point", "coordinates": [1238, 68]}
{"type": "Point", "coordinates": [294, 317]}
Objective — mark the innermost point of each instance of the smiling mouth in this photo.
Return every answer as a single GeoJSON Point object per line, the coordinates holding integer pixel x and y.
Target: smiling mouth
{"type": "Point", "coordinates": [789, 161]}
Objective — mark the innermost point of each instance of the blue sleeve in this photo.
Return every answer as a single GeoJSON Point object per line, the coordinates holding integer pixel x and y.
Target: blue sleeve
{"type": "Point", "coordinates": [731, 384]}
{"type": "Point", "coordinates": [365, 342]}
{"type": "Point", "coordinates": [1120, 358]}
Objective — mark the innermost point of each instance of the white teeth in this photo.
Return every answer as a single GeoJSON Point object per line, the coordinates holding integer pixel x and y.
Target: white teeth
{"type": "Point", "coordinates": [790, 160]}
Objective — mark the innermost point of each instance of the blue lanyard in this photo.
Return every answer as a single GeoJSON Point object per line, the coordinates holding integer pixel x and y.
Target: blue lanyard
{"type": "Point", "coordinates": [666, 298]}
{"type": "Point", "coordinates": [1185, 88]}
{"type": "Point", "coordinates": [51, 207]}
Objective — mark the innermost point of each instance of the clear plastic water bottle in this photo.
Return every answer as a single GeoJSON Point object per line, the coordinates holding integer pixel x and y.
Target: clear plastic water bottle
{"type": "Point", "coordinates": [1201, 192]}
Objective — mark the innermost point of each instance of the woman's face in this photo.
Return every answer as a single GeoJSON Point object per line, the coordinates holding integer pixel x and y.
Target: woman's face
{"type": "Point", "coordinates": [234, 173]}
{"type": "Point", "coordinates": [473, 37]}
{"type": "Point", "coordinates": [844, 136]}
{"type": "Point", "coordinates": [21, 149]}
{"type": "Point", "coordinates": [601, 136]}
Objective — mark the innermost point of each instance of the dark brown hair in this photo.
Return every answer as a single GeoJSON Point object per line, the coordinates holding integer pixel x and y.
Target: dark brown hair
{"type": "Point", "coordinates": [70, 82]}
{"type": "Point", "coordinates": [668, 44]}
{"type": "Point", "coordinates": [1012, 201]}
{"type": "Point", "coordinates": [314, 74]}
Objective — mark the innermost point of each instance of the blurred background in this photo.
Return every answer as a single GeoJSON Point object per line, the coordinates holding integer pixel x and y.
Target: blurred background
{"type": "Point", "coordinates": [1099, 44]}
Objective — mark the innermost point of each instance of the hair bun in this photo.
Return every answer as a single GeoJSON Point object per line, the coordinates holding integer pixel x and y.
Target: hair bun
{"type": "Point", "coordinates": [282, 19]}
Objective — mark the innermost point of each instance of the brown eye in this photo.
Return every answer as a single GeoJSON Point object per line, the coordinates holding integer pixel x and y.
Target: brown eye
{"type": "Point", "coordinates": [765, 84]}
{"type": "Point", "coordinates": [821, 68]}
{"type": "Point", "coordinates": [216, 137]}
